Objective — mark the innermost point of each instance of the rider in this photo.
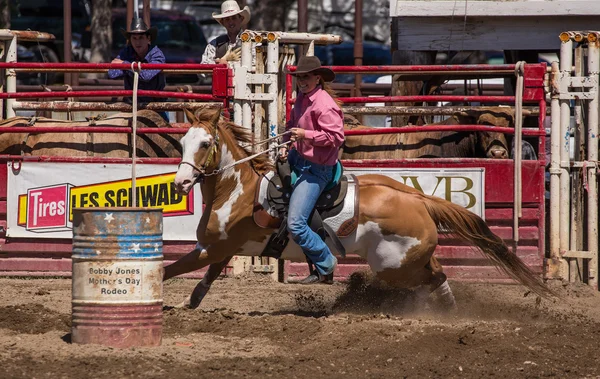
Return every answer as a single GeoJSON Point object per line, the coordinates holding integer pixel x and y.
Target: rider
{"type": "Point", "coordinates": [317, 132]}
{"type": "Point", "coordinates": [139, 48]}
{"type": "Point", "coordinates": [227, 47]}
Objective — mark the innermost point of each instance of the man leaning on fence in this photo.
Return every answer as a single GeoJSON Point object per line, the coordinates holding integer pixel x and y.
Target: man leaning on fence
{"type": "Point", "coordinates": [139, 48]}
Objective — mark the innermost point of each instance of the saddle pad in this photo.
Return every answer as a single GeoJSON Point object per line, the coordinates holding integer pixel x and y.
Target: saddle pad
{"type": "Point", "coordinates": [264, 215]}
{"type": "Point", "coordinates": [346, 221]}
{"type": "Point", "coordinates": [343, 220]}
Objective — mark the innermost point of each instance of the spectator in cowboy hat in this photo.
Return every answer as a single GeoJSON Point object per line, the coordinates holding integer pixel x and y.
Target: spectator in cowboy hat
{"type": "Point", "coordinates": [227, 47]}
{"type": "Point", "coordinates": [139, 48]}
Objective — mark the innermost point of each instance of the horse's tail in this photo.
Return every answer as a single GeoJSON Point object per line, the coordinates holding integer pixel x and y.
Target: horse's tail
{"type": "Point", "coordinates": [454, 219]}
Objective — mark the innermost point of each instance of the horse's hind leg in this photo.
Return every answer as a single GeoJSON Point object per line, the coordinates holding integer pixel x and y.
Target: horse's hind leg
{"type": "Point", "coordinates": [428, 280]}
{"type": "Point", "coordinates": [439, 286]}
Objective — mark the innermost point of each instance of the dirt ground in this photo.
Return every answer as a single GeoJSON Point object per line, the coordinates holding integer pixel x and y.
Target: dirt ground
{"type": "Point", "coordinates": [252, 327]}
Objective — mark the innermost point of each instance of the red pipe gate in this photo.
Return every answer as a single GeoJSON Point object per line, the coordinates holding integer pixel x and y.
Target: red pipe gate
{"type": "Point", "coordinates": [28, 256]}
{"type": "Point", "coordinates": [459, 261]}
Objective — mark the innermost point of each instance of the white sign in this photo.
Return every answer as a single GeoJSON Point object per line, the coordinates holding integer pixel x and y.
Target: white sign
{"type": "Point", "coordinates": [117, 281]}
{"type": "Point", "coordinates": [41, 196]}
{"type": "Point", "coordinates": [462, 186]}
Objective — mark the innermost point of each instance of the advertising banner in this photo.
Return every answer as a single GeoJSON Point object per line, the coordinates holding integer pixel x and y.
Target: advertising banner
{"type": "Point", "coordinates": [462, 186]}
{"type": "Point", "coordinates": [41, 196]}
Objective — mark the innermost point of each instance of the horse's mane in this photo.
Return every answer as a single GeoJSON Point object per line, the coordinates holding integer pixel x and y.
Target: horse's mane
{"type": "Point", "coordinates": [261, 163]}
{"type": "Point", "coordinates": [243, 136]}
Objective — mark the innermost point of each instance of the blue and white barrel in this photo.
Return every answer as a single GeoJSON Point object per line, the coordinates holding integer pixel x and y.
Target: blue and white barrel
{"type": "Point", "coordinates": [117, 276]}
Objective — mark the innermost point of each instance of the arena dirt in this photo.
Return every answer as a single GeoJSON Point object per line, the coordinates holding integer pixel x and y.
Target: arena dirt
{"type": "Point", "coordinates": [252, 327]}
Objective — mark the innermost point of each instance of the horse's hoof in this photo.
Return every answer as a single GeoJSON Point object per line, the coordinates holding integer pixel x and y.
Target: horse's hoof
{"type": "Point", "coordinates": [184, 304]}
{"type": "Point", "coordinates": [193, 301]}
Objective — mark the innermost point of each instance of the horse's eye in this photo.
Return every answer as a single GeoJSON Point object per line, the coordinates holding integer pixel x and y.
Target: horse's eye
{"type": "Point", "coordinates": [204, 145]}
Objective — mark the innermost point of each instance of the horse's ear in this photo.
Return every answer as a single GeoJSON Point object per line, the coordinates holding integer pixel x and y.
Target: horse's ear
{"type": "Point", "coordinates": [214, 115]}
{"type": "Point", "coordinates": [190, 116]}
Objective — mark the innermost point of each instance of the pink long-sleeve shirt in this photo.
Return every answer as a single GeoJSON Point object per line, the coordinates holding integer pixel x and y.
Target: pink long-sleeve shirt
{"type": "Point", "coordinates": [317, 113]}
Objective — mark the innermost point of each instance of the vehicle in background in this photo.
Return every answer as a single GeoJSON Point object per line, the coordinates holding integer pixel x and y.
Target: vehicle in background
{"type": "Point", "coordinates": [374, 54]}
{"type": "Point", "coordinates": [180, 37]}
{"type": "Point", "coordinates": [24, 55]}
{"type": "Point", "coordinates": [47, 16]}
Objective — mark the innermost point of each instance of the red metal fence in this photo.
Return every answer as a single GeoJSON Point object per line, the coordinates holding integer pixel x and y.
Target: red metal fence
{"type": "Point", "coordinates": [459, 261]}
{"type": "Point", "coordinates": [51, 256]}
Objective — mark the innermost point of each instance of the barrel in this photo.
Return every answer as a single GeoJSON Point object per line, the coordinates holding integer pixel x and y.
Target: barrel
{"type": "Point", "coordinates": [117, 277]}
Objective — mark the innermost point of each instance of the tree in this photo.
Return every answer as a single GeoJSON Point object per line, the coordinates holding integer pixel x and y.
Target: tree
{"type": "Point", "coordinates": [269, 14]}
{"type": "Point", "coordinates": [4, 14]}
{"type": "Point", "coordinates": [101, 31]}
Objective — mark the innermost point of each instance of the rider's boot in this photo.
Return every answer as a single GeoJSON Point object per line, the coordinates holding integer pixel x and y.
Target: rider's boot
{"type": "Point", "coordinates": [313, 275]}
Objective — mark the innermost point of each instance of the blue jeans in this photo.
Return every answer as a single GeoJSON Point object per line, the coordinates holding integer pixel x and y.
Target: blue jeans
{"type": "Point", "coordinates": [312, 180]}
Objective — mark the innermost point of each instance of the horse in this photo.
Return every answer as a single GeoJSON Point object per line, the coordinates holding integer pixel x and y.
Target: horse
{"type": "Point", "coordinates": [113, 145]}
{"type": "Point", "coordinates": [396, 230]}
{"type": "Point", "coordinates": [430, 144]}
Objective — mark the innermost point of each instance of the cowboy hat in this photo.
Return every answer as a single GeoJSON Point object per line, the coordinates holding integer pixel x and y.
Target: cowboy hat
{"type": "Point", "coordinates": [138, 26]}
{"type": "Point", "coordinates": [312, 64]}
{"type": "Point", "coordinates": [231, 8]}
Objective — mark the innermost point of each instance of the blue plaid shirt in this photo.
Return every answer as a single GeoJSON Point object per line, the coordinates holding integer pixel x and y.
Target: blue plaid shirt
{"type": "Point", "coordinates": [153, 80]}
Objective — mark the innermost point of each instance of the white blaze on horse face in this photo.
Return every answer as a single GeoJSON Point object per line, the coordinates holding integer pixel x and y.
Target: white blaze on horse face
{"type": "Point", "coordinates": [190, 143]}
{"type": "Point", "coordinates": [224, 212]}
{"type": "Point", "coordinates": [385, 251]}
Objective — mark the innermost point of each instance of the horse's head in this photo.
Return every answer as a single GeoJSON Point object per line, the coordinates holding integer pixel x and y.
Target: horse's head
{"type": "Point", "coordinates": [200, 146]}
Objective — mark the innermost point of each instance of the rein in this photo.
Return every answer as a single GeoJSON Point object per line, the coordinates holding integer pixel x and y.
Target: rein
{"type": "Point", "coordinates": [218, 171]}
{"type": "Point", "coordinates": [267, 140]}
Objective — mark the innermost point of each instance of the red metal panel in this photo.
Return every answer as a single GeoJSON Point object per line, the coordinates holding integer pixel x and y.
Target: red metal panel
{"type": "Point", "coordinates": [220, 82]}
{"type": "Point", "coordinates": [533, 82]}
{"type": "Point", "coordinates": [487, 274]}
{"type": "Point", "coordinates": [3, 179]}
{"type": "Point", "coordinates": [456, 252]}
{"type": "Point", "coordinates": [34, 264]}
{"type": "Point", "coordinates": [504, 215]}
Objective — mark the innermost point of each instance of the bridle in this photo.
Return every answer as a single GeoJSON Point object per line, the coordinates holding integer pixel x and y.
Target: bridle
{"type": "Point", "coordinates": [202, 169]}
{"type": "Point", "coordinates": [215, 148]}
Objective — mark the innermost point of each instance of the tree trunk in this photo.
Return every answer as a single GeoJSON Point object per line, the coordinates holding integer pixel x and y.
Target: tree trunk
{"type": "Point", "coordinates": [269, 14]}
{"type": "Point", "coordinates": [4, 14]}
{"type": "Point", "coordinates": [402, 87]}
{"type": "Point", "coordinates": [101, 31]}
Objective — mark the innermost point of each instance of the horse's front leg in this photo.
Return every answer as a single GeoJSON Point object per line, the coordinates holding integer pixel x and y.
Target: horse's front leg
{"type": "Point", "coordinates": [214, 270]}
{"type": "Point", "coordinates": [196, 259]}
{"type": "Point", "coordinates": [192, 261]}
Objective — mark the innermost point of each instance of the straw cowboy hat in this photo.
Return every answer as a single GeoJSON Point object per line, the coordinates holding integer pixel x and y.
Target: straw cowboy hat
{"type": "Point", "coordinates": [312, 64]}
{"type": "Point", "coordinates": [138, 26]}
{"type": "Point", "coordinates": [231, 8]}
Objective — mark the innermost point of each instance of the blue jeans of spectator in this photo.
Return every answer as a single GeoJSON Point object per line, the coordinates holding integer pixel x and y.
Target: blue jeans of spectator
{"type": "Point", "coordinates": [312, 180]}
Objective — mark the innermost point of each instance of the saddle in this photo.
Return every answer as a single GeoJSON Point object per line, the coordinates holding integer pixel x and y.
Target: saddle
{"type": "Point", "coordinates": [335, 214]}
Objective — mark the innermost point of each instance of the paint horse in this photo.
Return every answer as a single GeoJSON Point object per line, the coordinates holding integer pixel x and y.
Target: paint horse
{"type": "Point", "coordinates": [396, 228]}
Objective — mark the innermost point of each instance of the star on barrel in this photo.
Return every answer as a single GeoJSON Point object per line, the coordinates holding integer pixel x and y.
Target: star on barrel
{"type": "Point", "coordinates": [109, 217]}
{"type": "Point", "coordinates": [156, 247]}
{"type": "Point", "coordinates": [135, 247]}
